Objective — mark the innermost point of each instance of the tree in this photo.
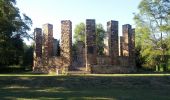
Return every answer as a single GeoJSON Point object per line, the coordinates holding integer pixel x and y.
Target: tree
{"type": "Point", "coordinates": [100, 34]}
{"type": "Point", "coordinates": [79, 32]}
{"type": "Point", "coordinates": [27, 60]}
{"type": "Point", "coordinates": [13, 28]}
{"type": "Point", "coordinates": [152, 30]}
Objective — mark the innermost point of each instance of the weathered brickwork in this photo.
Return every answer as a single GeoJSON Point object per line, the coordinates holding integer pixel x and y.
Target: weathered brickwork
{"type": "Point", "coordinates": [112, 31]}
{"type": "Point", "coordinates": [127, 46]}
{"type": "Point", "coordinates": [121, 45]}
{"type": "Point", "coordinates": [106, 45]}
{"type": "Point", "coordinates": [118, 58]}
{"type": "Point", "coordinates": [104, 60]}
{"type": "Point", "coordinates": [38, 42]}
{"type": "Point", "coordinates": [127, 31]}
{"type": "Point", "coordinates": [55, 47]}
{"type": "Point", "coordinates": [90, 44]}
{"type": "Point", "coordinates": [66, 43]}
{"type": "Point", "coordinates": [132, 49]}
{"type": "Point", "coordinates": [133, 43]}
{"type": "Point", "coordinates": [81, 54]}
{"type": "Point", "coordinates": [38, 48]}
{"type": "Point", "coordinates": [48, 40]}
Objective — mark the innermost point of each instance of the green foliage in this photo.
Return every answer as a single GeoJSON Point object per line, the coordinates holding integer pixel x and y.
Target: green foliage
{"type": "Point", "coordinates": [152, 31]}
{"type": "Point", "coordinates": [28, 56]}
{"type": "Point", "coordinates": [100, 34]}
{"type": "Point", "coordinates": [79, 32]}
{"type": "Point", "coordinates": [139, 58]}
{"type": "Point", "coordinates": [13, 27]}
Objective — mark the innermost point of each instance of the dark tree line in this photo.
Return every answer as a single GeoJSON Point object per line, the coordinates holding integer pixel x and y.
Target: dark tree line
{"type": "Point", "coordinates": [14, 26]}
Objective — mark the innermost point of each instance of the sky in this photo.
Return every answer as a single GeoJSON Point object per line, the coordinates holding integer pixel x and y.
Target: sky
{"type": "Point", "coordinates": [53, 11]}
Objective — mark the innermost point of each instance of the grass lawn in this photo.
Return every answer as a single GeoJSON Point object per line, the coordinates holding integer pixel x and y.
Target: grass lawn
{"type": "Point", "coordinates": [85, 87]}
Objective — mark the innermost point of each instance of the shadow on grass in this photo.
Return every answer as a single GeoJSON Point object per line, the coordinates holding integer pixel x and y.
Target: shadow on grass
{"type": "Point", "coordinates": [87, 87]}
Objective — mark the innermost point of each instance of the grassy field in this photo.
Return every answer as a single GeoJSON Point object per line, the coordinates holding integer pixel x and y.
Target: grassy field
{"type": "Point", "coordinates": [85, 87]}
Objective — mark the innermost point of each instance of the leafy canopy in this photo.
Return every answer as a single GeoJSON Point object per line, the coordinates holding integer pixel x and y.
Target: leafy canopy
{"type": "Point", "coordinates": [13, 28]}
{"type": "Point", "coordinates": [153, 30]}
{"type": "Point", "coordinates": [100, 34]}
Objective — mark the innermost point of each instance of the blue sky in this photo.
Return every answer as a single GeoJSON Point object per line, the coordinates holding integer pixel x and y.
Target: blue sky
{"type": "Point", "coordinates": [53, 11]}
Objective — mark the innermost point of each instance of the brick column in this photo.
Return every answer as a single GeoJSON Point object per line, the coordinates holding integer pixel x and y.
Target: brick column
{"type": "Point", "coordinates": [112, 30]}
{"type": "Point", "coordinates": [38, 47]}
{"type": "Point", "coordinates": [47, 46]}
{"type": "Point", "coordinates": [80, 52]}
{"type": "Point", "coordinates": [121, 45]}
{"type": "Point", "coordinates": [132, 49]}
{"type": "Point", "coordinates": [48, 40]}
{"type": "Point", "coordinates": [132, 45]}
{"type": "Point", "coordinates": [90, 44]}
{"type": "Point", "coordinates": [127, 34]}
{"type": "Point", "coordinates": [38, 42]}
{"type": "Point", "coordinates": [66, 43]}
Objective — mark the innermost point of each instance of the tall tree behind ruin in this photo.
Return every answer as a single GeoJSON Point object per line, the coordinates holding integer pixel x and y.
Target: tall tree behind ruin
{"type": "Point", "coordinates": [79, 32]}
{"type": "Point", "coordinates": [13, 27]}
{"type": "Point", "coordinates": [79, 35]}
{"type": "Point", "coordinates": [153, 30]}
{"type": "Point", "coordinates": [100, 33]}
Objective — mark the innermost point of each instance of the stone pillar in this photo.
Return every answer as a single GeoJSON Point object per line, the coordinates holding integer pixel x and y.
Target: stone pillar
{"type": "Point", "coordinates": [38, 42]}
{"type": "Point", "coordinates": [112, 29]}
{"type": "Point", "coordinates": [48, 40]}
{"type": "Point", "coordinates": [38, 47]}
{"type": "Point", "coordinates": [90, 44]}
{"type": "Point", "coordinates": [132, 49]}
{"type": "Point", "coordinates": [121, 45]}
{"type": "Point", "coordinates": [47, 46]}
{"type": "Point", "coordinates": [106, 45]}
{"type": "Point", "coordinates": [132, 46]}
{"type": "Point", "coordinates": [55, 47]}
{"type": "Point", "coordinates": [81, 55]}
{"type": "Point", "coordinates": [66, 43]}
{"type": "Point", "coordinates": [127, 33]}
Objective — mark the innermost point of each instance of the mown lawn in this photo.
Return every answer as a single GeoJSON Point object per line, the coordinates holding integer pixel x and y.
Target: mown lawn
{"type": "Point", "coordinates": [85, 87]}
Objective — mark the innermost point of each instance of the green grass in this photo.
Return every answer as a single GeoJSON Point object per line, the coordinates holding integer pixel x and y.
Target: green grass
{"type": "Point", "coordinates": [85, 87]}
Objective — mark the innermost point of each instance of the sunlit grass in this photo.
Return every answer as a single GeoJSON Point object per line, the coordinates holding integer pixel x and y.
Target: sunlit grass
{"type": "Point", "coordinates": [85, 87]}
{"type": "Point", "coordinates": [116, 75]}
{"type": "Point", "coordinates": [128, 75]}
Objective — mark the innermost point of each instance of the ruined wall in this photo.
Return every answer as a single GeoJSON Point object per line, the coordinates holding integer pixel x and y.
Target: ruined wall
{"type": "Point", "coordinates": [80, 54]}
{"type": "Point", "coordinates": [55, 47]}
{"type": "Point", "coordinates": [121, 45]}
{"type": "Point", "coordinates": [111, 69]}
{"type": "Point", "coordinates": [66, 43]}
{"type": "Point", "coordinates": [48, 40]}
{"type": "Point", "coordinates": [127, 46]}
{"type": "Point", "coordinates": [46, 61]}
{"type": "Point", "coordinates": [127, 37]}
{"type": "Point", "coordinates": [125, 63]}
{"type": "Point", "coordinates": [90, 44]}
{"type": "Point", "coordinates": [112, 31]}
{"type": "Point", "coordinates": [133, 43]}
{"type": "Point", "coordinates": [132, 49]}
{"type": "Point", "coordinates": [106, 45]}
{"type": "Point", "coordinates": [38, 47]}
{"type": "Point", "coordinates": [104, 60]}
{"type": "Point", "coordinates": [47, 48]}
{"type": "Point", "coordinates": [38, 42]}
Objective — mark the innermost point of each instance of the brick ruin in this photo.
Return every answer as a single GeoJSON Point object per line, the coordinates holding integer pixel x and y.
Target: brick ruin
{"type": "Point", "coordinates": [119, 55]}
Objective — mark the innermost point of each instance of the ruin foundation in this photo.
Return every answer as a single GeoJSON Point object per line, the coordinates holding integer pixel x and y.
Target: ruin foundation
{"type": "Point", "coordinates": [119, 55]}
